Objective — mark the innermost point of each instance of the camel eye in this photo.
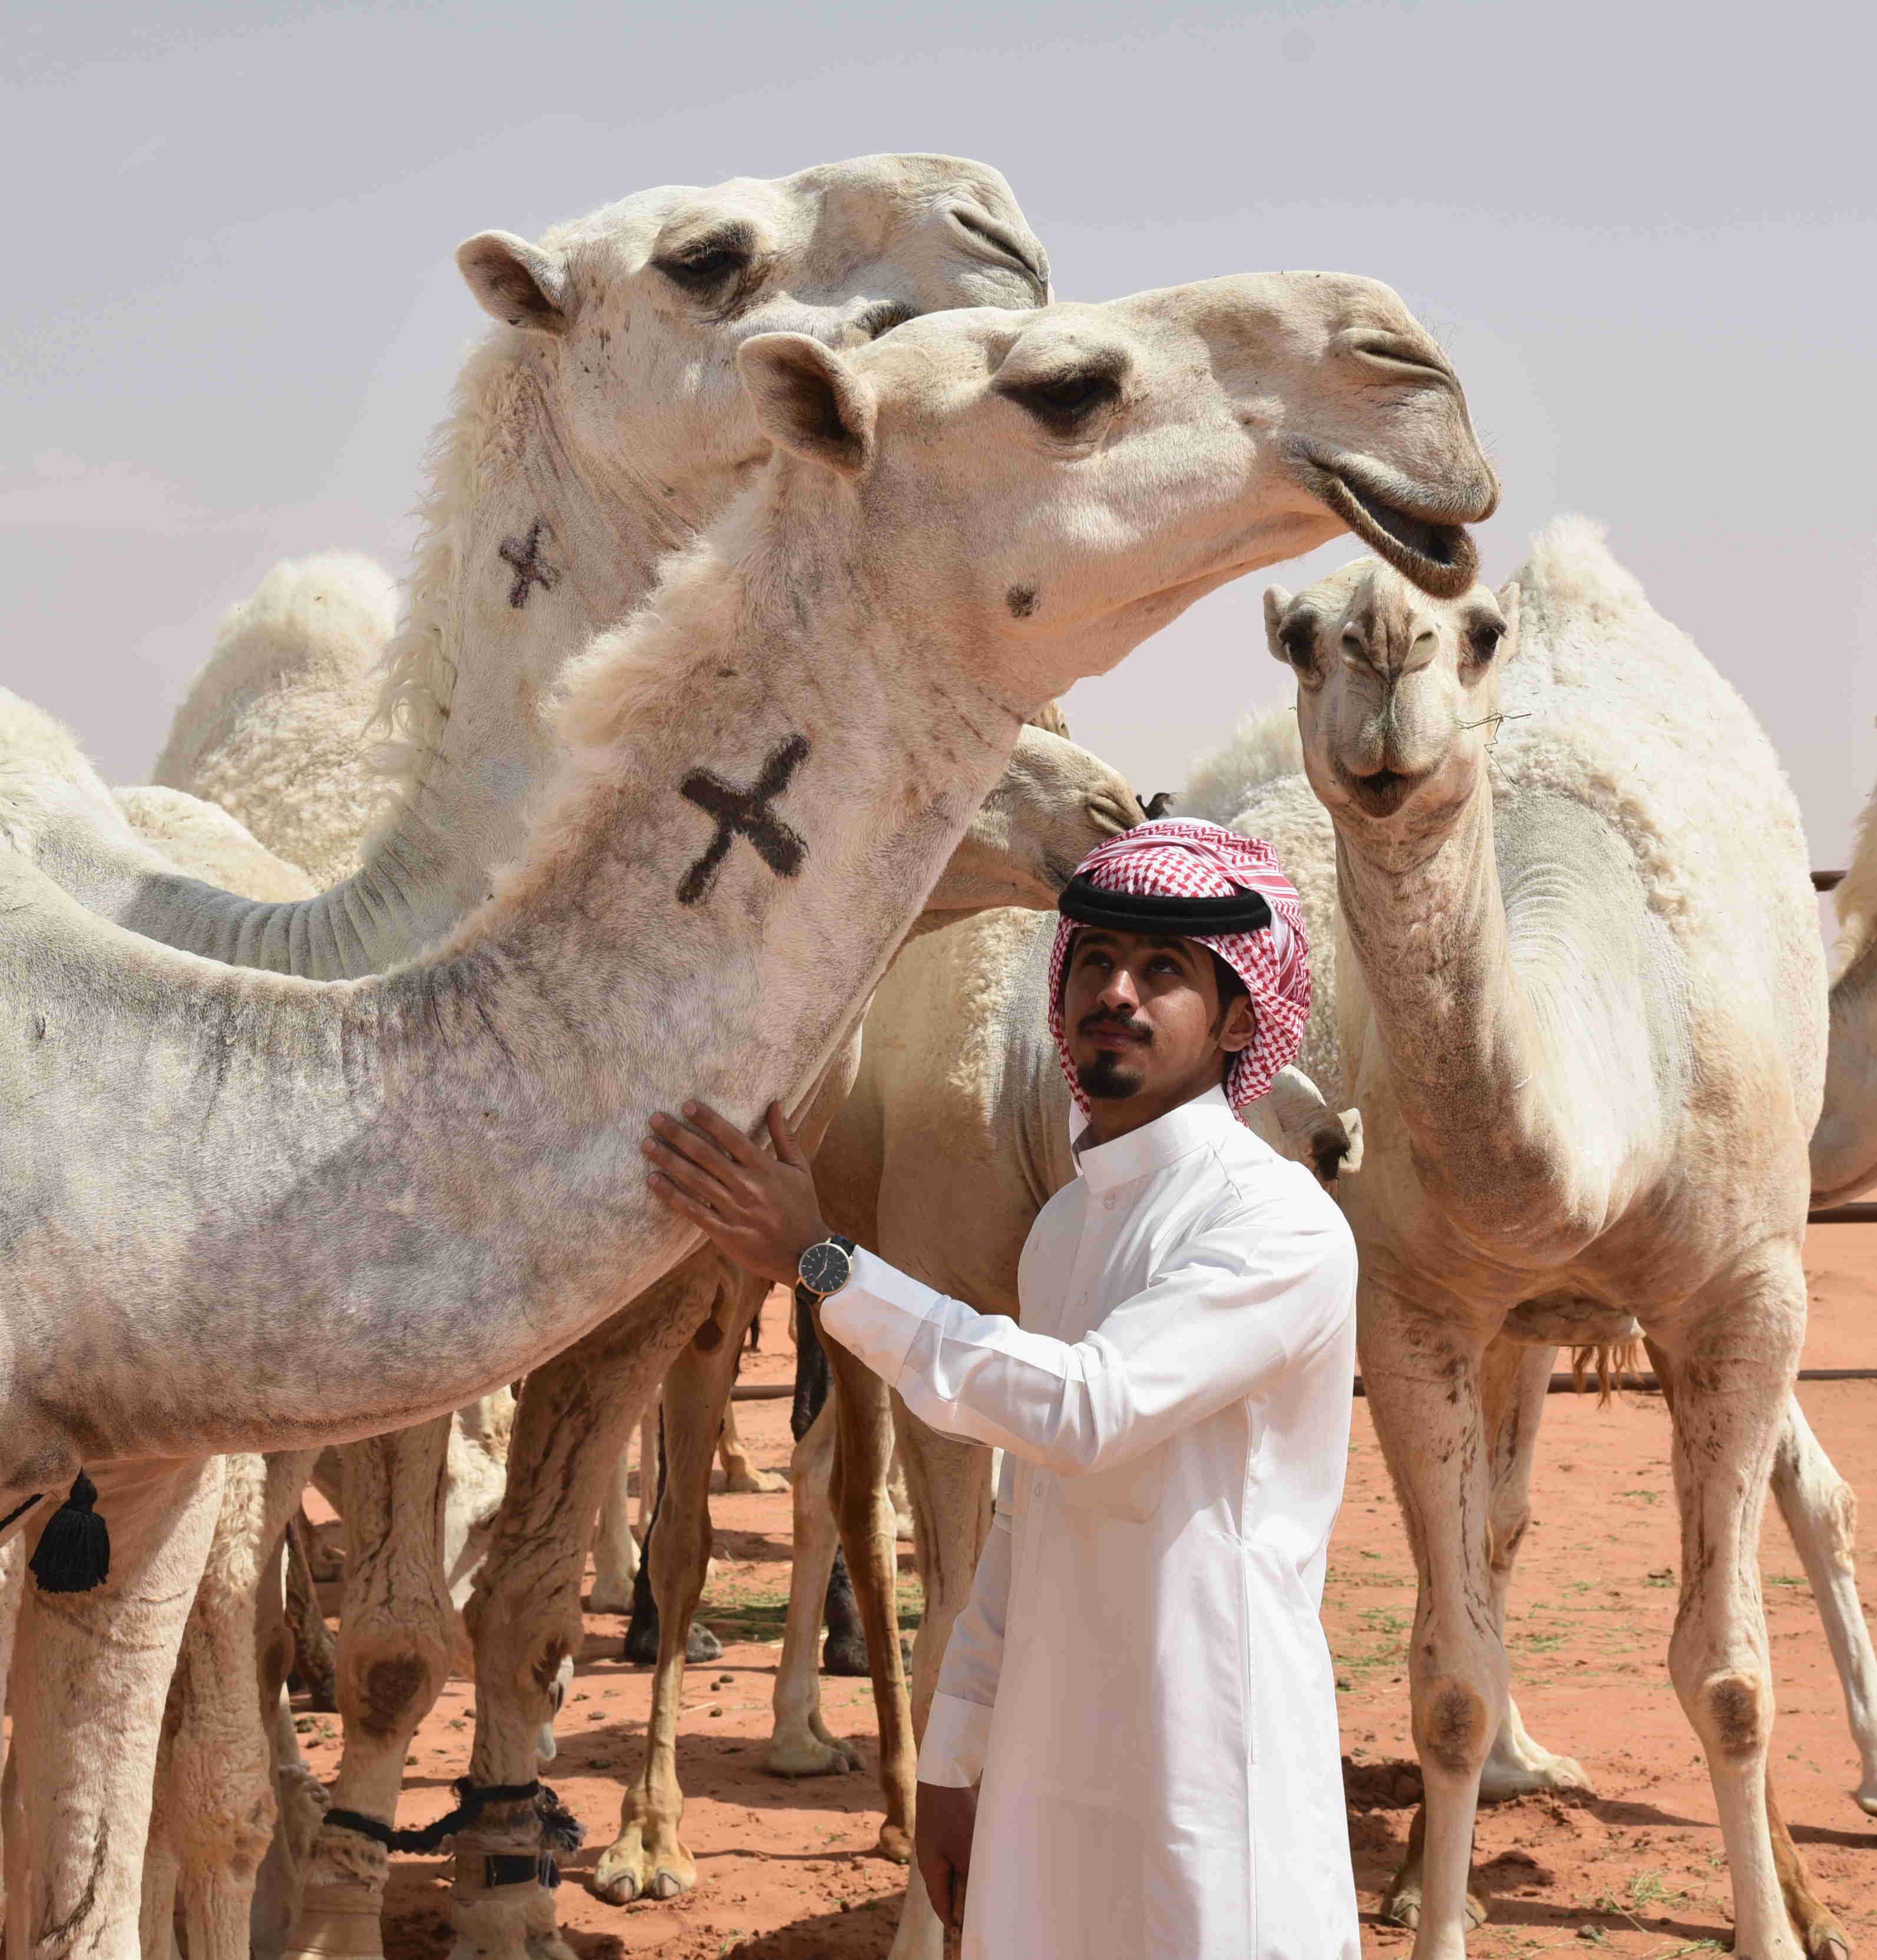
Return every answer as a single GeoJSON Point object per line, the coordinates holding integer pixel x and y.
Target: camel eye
{"type": "Point", "coordinates": [1299, 641]}
{"type": "Point", "coordinates": [706, 263]}
{"type": "Point", "coordinates": [1067, 403]}
{"type": "Point", "coordinates": [1484, 639]}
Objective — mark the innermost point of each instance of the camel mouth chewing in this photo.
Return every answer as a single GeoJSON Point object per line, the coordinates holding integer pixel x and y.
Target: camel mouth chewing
{"type": "Point", "coordinates": [1439, 558]}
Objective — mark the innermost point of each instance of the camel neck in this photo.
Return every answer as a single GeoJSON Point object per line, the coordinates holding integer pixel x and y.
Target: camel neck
{"type": "Point", "coordinates": [529, 550]}
{"type": "Point", "coordinates": [1426, 920]}
{"type": "Point", "coordinates": [751, 813]}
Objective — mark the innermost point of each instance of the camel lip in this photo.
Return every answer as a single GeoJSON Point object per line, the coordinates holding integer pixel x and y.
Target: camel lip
{"type": "Point", "coordinates": [1381, 792]}
{"type": "Point", "coordinates": [1432, 553]}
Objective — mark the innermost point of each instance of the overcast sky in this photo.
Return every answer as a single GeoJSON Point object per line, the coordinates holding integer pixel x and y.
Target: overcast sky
{"type": "Point", "coordinates": [1645, 235]}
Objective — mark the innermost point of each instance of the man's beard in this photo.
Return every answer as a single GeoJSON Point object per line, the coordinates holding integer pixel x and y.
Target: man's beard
{"type": "Point", "coordinates": [1111, 1076]}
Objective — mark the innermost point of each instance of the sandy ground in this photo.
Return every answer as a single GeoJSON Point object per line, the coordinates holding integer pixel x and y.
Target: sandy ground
{"type": "Point", "coordinates": [787, 1869]}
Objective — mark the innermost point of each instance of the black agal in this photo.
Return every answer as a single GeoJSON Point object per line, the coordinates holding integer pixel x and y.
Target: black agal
{"type": "Point", "coordinates": [1241, 910]}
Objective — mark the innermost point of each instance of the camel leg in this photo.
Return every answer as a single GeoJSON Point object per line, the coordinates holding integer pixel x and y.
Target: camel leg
{"type": "Point", "coordinates": [616, 1549]}
{"type": "Point", "coordinates": [799, 1743]}
{"type": "Point", "coordinates": [315, 1655]}
{"type": "Point", "coordinates": [739, 1474]}
{"type": "Point", "coordinates": [648, 1453]}
{"type": "Point", "coordinates": [1514, 1381]}
{"type": "Point", "coordinates": [1822, 1936]}
{"type": "Point", "coordinates": [574, 1416]}
{"type": "Point", "coordinates": [648, 1859]}
{"type": "Point", "coordinates": [212, 1811]}
{"type": "Point", "coordinates": [1821, 1512]}
{"type": "Point", "coordinates": [949, 1484]}
{"type": "Point", "coordinates": [1422, 1376]}
{"type": "Point", "coordinates": [862, 1463]}
{"type": "Point", "coordinates": [643, 1642]}
{"type": "Point", "coordinates": [90, 1673]}
{"type": "Point", "coordinates": [299, 1796]}
{"type": "Point", "coordinates": [1728, 1374]}
{"type": "Point", "coordinates": [396, 1633]}
{"type": "Point", "coordinates": [12, 1576]}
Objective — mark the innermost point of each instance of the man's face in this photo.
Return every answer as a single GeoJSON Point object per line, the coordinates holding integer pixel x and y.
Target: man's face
{"type": "Point", "coordinates": [1142, 1019]}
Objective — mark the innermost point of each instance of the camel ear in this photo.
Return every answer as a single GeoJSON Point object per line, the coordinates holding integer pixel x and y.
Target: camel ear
{"type": "Point", "coordinates": [516, 282]}
{"type": "Point", "coordinates": [808, 401]}
{"type": "Point", "coordinates": [1508, 597]}
{"type": "Point", "coordinates": [1276, 604]}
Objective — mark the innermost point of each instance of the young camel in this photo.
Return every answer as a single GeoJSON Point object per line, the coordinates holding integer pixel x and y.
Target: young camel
{"type": "Point", "coordinates": [1844, 1145]}
{"type": "Point", "coordinates": [1626, 878]}
{"type": "Point", "coordinates": [362, 1203]}
{"type": "Point", "coordinates": [592, 435]}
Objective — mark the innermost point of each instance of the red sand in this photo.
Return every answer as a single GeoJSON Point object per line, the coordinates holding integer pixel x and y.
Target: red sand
{"type": "Point", "coordinates": [787, 1869]}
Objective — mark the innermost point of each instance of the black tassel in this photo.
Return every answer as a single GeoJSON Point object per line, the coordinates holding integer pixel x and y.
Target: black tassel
{"type": "Point", "coordinates": [74, 1549]}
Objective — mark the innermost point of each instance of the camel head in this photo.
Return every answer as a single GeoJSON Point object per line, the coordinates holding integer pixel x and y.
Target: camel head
{"type": "Point", "coordinates": [1097, 468]}
{"type": "Point", "coordinates": [1397, 693]}
{"type": "Point", "coordinates": [1053, 804]}
{"type": "Point", "coordinates": [631, 318]}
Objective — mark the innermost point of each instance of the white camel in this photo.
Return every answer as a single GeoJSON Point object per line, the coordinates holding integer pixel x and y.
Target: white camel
{"type": "Point", "coordinates": [1256, 783]}
{"type": "Point", "coordinates": [1561, 835]}
{"type": "Point", "coordinates": [1844, 1145]}
{"type": "Point", "coordinates": [591, 437]}
{"type": "Point", "coordinates": [427, 1180]}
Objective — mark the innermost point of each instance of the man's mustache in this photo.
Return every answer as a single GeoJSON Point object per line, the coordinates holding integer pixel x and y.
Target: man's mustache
{"type": "Point", "coordinates": [1106, 1017]}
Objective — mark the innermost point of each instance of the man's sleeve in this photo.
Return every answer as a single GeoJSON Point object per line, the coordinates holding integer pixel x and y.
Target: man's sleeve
{"type": "Point", "coordinates": [959, 1726]}
{"type": "Point", "coordinates": [1240, 1301]}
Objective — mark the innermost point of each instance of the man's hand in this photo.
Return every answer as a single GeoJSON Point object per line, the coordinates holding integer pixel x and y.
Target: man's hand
{"type": "Point", "coordinates": [941, 1843]}
{"type": "Point", "coordinates": [758, 1210]}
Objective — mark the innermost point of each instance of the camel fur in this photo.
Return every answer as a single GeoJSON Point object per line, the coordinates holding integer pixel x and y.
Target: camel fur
{"type": "Point", "coordinates": [273, 729]}
{"type": "Point", "coordinates": [1257, 782]}
{"type": "Point", "coordinates": [1844, 1145]}
{"type": "Point", "coordinates": [463, 1126]}
{"type": "Point", "coordinates": [631, 372]}
{"type": "Point", "coordinates": [1551, 785]}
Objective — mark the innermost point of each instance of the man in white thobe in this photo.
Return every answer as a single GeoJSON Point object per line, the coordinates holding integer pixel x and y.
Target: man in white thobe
{"type": "Point", "coordinates": [1133, 1753]}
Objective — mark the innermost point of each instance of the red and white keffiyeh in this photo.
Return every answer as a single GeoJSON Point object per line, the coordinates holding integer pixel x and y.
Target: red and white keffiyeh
{"type": "Point", "coordinates": [1176, 857]}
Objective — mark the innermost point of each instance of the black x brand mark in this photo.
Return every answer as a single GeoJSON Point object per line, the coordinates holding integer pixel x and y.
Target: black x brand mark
{"type": "Point", "coordinates": [746, 813]}
{"type": "Point", "coordinates": [524, 554]}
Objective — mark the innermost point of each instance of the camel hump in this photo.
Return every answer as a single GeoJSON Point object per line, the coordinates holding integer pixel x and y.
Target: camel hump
{"type": "Point", "coordinates": [1264, 747]}
{"type": "Point", "coordinates": [1571, 571]}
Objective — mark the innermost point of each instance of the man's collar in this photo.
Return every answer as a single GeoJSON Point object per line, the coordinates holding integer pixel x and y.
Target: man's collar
{"type": "Point", "coordinates": [1154, 1145]}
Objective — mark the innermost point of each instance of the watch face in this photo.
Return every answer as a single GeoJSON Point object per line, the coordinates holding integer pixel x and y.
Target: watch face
{"type": "Point", "coordinates": [825, 1268]}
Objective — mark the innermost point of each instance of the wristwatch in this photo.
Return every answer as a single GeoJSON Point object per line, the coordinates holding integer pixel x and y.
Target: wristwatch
{"type": "Point", "coordinates": [826, 1266]}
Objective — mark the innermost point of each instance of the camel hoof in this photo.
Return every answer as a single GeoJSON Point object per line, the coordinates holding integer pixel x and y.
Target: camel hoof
{"type": "Point", "coordinates": [844, 1654]}
{"type": "Point", "coordinates": [610, 1599]}
{"type": "Point", "coordinates": [896, 1845]}
{"type": "Point", "coordinates": [1499, 1783]}
{"type": "Point", "coordinates": [1867, 1799]}
{"type": "Point", "coordinates": [756, 1483]}
{"type": "Point", "coordinates": [624, 1878]}
{"type": "Point", "coordinates": [640, 1647]}
{"type": "Point", "coordinates": [808, 1757]}
{"type": "Point", "coordinates": [701, 1644]}
{"type": "Point", "coordinates": [1402, 1908]}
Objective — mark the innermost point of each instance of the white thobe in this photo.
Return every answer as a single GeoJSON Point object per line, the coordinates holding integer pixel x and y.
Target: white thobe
{"type": "Point", "coordinates": [1140, 1677]}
